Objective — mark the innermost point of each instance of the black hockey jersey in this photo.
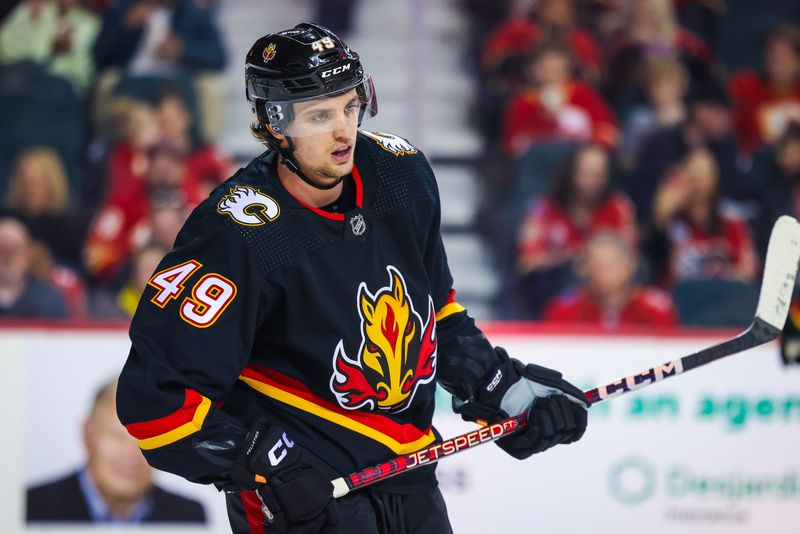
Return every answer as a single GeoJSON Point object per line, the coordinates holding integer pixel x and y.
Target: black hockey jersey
{"type": "Point", "coordinates": [325, 323]}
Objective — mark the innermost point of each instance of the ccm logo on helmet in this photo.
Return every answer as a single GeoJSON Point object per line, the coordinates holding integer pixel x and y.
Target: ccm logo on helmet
{"type": "Point", "coordinates": [278, 451]}
{"type": "Point", "coordinates": [337, 70]}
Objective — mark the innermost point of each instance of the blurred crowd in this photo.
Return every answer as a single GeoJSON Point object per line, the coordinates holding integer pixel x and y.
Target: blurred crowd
{"type": "Point", "coordinates": [636, 154]}
{"type": "Point", "coordinates": [111, 114]}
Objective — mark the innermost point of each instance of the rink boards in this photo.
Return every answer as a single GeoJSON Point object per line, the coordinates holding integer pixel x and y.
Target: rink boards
{"type": "Point", "coordinates": [711, 451]}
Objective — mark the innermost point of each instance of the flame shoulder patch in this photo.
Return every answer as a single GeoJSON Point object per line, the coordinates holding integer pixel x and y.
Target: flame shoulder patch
{"type": "Point", "coordinates": [391, 143]}
{"type": "Point", "coordinates": [248, 206]}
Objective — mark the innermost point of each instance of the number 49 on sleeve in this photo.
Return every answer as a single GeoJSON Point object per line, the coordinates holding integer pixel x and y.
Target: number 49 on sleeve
{"type": "Point", "coordinates": [210, 295]}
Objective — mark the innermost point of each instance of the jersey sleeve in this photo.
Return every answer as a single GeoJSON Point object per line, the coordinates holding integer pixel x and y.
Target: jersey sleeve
{"type": "Point", "coordinates": [191, 336]}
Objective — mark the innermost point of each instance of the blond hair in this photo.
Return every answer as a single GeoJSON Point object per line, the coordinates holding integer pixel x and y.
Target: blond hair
{"type": "Point", "coordinates": [125, 112]}
{"type": "Point", "coordinates": [55, 177]}
{"type": "Point", "coordinates": [658, 69]}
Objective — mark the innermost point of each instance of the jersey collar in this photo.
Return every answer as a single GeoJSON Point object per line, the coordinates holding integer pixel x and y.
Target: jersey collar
{"type": "Point", "coordinates": [337, 216]}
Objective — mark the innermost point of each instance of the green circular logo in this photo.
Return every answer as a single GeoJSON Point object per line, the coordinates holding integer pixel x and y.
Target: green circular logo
{"type": "Point", "coordinates": [632, 481]}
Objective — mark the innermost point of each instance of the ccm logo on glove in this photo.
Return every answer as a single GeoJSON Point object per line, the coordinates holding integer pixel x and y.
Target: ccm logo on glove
{"type": "Point", "coordinates": [275, 457]}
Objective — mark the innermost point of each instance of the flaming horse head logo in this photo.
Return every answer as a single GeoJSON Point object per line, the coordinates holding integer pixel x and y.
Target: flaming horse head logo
{"type": "Point", "coordinates": [397, 354]}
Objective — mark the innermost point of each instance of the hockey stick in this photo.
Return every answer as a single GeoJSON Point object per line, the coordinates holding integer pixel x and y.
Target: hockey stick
{"type": "Point", "coordinates": [780, 270]}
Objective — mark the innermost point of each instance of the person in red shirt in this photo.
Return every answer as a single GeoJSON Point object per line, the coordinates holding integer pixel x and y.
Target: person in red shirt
{"type": "Point", "coordinates": [141, 126]}
{"type": "Point", "coordinates": [546, 20]}
{"type": "Point", "coordinates": [648, 29]}
{"type": "Point", "coordinates": [556, 226]}
{"type": "Point", "coordinates": [703, 241]}
{"type": "Point", "coordinates": [609, 296]}
{"type": "Point", "coordinates": [206, 165]}
{"type": "Point", "coordinates": [556, 106]}
{"type": "Point", "coordinates": [125, 222]}
{"type": "Point", "coordinates": [767, 102]}
{"type": "Point", "coordinates": [136, 131]}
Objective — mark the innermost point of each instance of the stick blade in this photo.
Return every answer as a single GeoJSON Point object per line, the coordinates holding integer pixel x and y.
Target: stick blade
{"type": "Point", "coordinates": [780, 271]}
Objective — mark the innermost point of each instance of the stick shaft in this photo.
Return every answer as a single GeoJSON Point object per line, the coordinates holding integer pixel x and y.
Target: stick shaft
{"type": "Point", "coordinates": [428, 455]}
{"type": "Point", "coordinates": [758, 333]}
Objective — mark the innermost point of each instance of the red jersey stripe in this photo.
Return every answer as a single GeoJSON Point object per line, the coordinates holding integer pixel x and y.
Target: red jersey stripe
{"type": "Point", "coordinates": [181, 416]}
{"type": "Point", "coordinates": [403, 433]}
{"type": "Point", "coordinates": [252, 511]}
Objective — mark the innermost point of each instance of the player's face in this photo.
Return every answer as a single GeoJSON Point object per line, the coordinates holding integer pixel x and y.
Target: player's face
{"type": "Point", "coordinates": [324, 134]}
{"type": "Point", "coordinates": [115, 462]}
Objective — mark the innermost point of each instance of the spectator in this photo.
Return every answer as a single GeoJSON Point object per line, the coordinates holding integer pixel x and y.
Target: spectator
{"type": "Point", "coordinates": [649, 29]}
{"type": "Point", "coordinates": [556, 106]}
{"type": "Point", "coordinates": [609, 295]}
{"type": "Point", "coordinates": [116, 484]}
{"type": "Point", "coordinates": [38, 195]}
{"type": "Point", "coordinates": [170, 39]}
{"type": "Point", "coordinates": [556, 227]}
{"type": "Point", "coordinates": [143, 265]}
{"type": "Point", "coordinates": [767, 101]}
{"type": "Point", "coordinates": [666, 84]}
{"type": "Point", "coordinates": [704, 19]}
{"type": "Point", "coordinates": [545, 21]}
{"type": "Point", "coordinates": [56, 33]}
{"type": "Point", "coordinates": [161, 37]}
{"type": "Point", "coordinates": [776, 175]}
{"type": "Point", "coordinates": [123, 223]}
{"type": "Point", "coordinates": [136, 131]}
{"type": "Point", "coordinates": [22, 296]}
{"type": "Point", "coordinates": [708, 125]}
{"type": "Point", "coordinates": [64, 279]}
{"type": "Point", "coordinates": [206, 166]}
{"type": "Point", "coordinates": [703, 242]}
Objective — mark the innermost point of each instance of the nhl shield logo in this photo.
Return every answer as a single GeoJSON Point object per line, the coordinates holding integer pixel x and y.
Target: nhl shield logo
{"type": "Point", "coordinates": [358, 224]}
{"type": "Point", "coordinates": [269, 52]}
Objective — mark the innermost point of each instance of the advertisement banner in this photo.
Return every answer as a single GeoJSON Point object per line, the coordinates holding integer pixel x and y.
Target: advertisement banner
{"type": "Point", "coordinates": [710, 451]}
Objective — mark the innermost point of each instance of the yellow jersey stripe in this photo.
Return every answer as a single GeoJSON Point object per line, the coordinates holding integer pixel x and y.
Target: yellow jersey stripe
{"type": "Point", "coordinates": [181, 432]}
{"type": "Point", "coordinates": [448, 310]}
{"type": "Point", "coordinates": [339, 419]}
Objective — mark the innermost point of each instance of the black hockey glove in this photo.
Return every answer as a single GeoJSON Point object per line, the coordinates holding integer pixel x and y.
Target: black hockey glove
{"type": "Point", "coordinates": [556, 409]}
{"type": "Point", "coordinates": [297, 497]}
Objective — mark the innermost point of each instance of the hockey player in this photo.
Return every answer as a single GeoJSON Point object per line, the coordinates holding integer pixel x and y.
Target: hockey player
{"type": "Point", "coordinates": [298, 329]}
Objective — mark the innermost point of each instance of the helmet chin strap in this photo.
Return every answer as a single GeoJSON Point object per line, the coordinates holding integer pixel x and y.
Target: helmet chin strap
{"type": "Point", "coordinates": [288, 160]}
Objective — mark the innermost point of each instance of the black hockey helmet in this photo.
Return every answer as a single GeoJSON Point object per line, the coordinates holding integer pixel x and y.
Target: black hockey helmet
{"type": "Point", "coordinates": [303, 63]}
